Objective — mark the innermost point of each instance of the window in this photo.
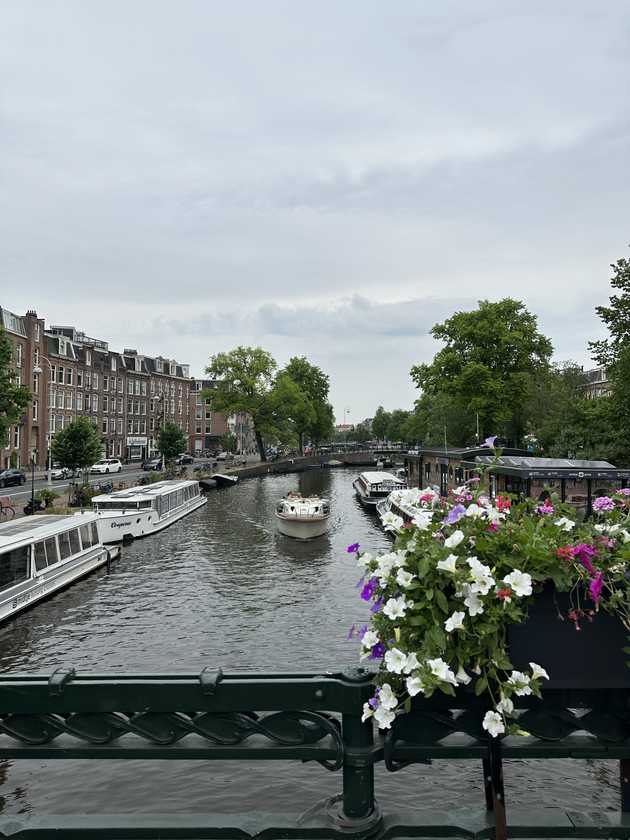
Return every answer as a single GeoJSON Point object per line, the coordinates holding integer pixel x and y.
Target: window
{"type": "Point", "coordinates": [60, 374]}
{"type": "Point", "coordinates": [143, 407]}
{"type": "Point", "coordinates": [36, 356]}
{"type": "Point", "coordinates": [86, 536]}
{"type": "Point", "coordinates": [143, 427]}
{"type": "Point", "coordinates": [35, 404]}
{"type": "Point", "coordinates": [80, 379]}
{"type": "Point", "coordinates": [68, 376]}
{"type": "Point", "coordinates": [121, 385]}
{"type": "Point", "coordinates": [88, 357]}
{"type": "Point", "coordinates": [59, 399]}
{"type": "Point", "coordinates": [120, 406]}
{"type": "Point", "coordinates": [120, 427]}
{"type": "Point", "coordinates": [137, 386]}
{"type": "Point", "coordinates": [172, 406]}
{"type": "Point", "coordinates": [143, 388]}
{"type": "Point", "coordinates": [105, 402]}
{"type": "Point", "coordinates": [52, 395]}
{"type": "Point", "coordinates": [112, 425]}
{"type": "Point", "coordinates": [16, 437]}
{"type": "Point", "coordinates": [130, 386]}
{"type": "Point", "coordinates": [129, 406]}
{"type": "Point", "coordinates": [88, 379]}
{"type": "Point", "coordinates": [35, 383]}
{"type": "Point", "coordinates": [95, 403]}
{"type": "Point", "coordinates": [104, 425]}
{"type": "Point", "coordinates": [37, 333]}
{"type": "Point", "coordinates": [113, 362]}
{"type": "Point", "coordinates": [129, 427]}
{"type": "Point", "coordinates": [18, 355]}
{"type": "Point", "coordinates": [40, 556]}
{"type": "Point", "coordinates": [65, 549]}
{"type": "Point", "coordinates": [152, 424]}
{"type": "Point", "coordinates": [14, 566]}
{"type": "Point", "coordinates": [137, 364]}
{"type": "Point", "coordinates": [95, 381]}
{"type": "Point", "coordinates": [69, 400]}
{"type": "Point", "coordinates": [62, 347]}
{"type": "Point", "coordinates": [79, 401]}
{"type": "Point", "coordinates": [105, 383]}
{"type": "Point", "coordinates": [197, 430]}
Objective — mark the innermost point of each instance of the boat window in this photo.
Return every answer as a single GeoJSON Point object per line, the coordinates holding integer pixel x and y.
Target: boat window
{"type": "Point", "coordinates": [65, 549]}
{"type": "Point", "coordinates": [95, 537]}
{"type": "Point", "coordinates": [75, 545]}
{"type": "Point", "coordinates": [86, 536]}
{"type": "Point", "coordinates": [14, 566]}
{"type": "Point", "coordinates": [145, 503]}
{"type": "Point", "coordinates": [52, 555]}
{"type": "Point", "coordinates": [40, 556]}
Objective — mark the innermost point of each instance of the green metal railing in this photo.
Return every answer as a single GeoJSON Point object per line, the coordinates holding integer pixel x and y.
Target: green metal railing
{"type": "Point", "coordinates": [303, 717]}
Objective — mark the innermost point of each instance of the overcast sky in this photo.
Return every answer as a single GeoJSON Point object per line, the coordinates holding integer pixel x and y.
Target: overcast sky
{"type": "Point", "coordinates": [325, 179]}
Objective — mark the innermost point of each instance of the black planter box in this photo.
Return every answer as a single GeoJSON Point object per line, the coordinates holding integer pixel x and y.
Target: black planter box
{"type": "Point", "coordinates": [589, 658]}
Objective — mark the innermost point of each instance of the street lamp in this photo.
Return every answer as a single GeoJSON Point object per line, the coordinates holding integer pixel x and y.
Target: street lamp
{"type": "Point", "coordinates": [346, 411]}
{"type": "Point", "coordinates": [38, 370]}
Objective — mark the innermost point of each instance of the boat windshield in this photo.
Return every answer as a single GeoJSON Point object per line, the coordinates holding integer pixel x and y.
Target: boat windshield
{"type": "Point", "coordinates": [14, 566]}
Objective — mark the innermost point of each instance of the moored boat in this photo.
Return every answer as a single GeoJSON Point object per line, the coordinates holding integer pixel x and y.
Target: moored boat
{"type": "Point", "coordinates": [224, 480]}
{"type": "Point", "coordinates": [302, 517]}
{"type": "Point", "coordinates": [373, 486]}
{"type": "Point", "coordinates": [143, 510]}
{"type": "Point", "coordinates": [40, 555]}
{"type": "Point", "coordinates": [404, 506]}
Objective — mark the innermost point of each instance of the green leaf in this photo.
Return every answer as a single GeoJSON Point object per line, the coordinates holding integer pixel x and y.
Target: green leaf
{"type": "Point", "coordinates": [481, 685]}
{"type": "Point", "coordinates": [441, 600]}
{"type": "Point", "coordinates": [428, 594]}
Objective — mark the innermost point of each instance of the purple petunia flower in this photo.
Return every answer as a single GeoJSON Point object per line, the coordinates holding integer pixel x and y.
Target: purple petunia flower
{"type": "Point", "coordinates": [603, 503]}
{"type": "Point", "coordinates": [373, 701]}
{"type": "Point", "coordinates": [489, 442]}
{"type": "Point", "coordinates": [454, 515]}
{"type": "Point", "coordinates": [585, 554]}
{"type": "Point", "coordinates": [367, 593]}
{"type": "Point", "coordinates": [597, 584]}
{"type": "Point", "coordinates": [352, 548]}
{"type": "Point", "coordinates": [625, 491]}
{"type": "Point", "coordinates": [377, 605]}
{"type": "Point", "coordinates": [360, 582]}
{"type": "Point", "coordinates": [378, 651]}
{"type": "Point", "coordinates": [546, 509]}
{"type": "Point", "coordinates": [362, 631]}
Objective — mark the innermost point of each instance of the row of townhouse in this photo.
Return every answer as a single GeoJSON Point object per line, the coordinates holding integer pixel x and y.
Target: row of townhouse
{"type": "Point", "coordinates": [127, 395]}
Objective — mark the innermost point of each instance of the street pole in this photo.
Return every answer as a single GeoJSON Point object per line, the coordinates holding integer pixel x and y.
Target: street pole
{"type": "Point", "coordinates": [33, 481]}
{"type": "Point", "coordinates": [38, 370]}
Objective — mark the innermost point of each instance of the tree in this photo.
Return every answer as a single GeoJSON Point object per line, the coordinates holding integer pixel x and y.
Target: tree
{"type": "Point", "coordinates": [78, 445]}
{"type": "Point", "coordinates": [244, 380]}
{"type": "Point", "coordinates": [14, 398]}
{"type": "Point", "coordinates": [228, 442]}
{"type": "Point", "coordinates": [171, 441]}
{"type": "Point", "coordinates": [552, 404]}
{"type": "Point", "coordinates": [312, 414]}
{"type": "Point", "coordinates": [396, 426]}
{"type": "Point", "coordinates": [324, 424]}
{"type": "Point", "coordinates": [380, 423]}
{"type": "Point", "coordinates": [486, 364]}
{"type": "Point", "coordinates": [439, 418]}
{"type": "Point", "coordinates": [616, 317]}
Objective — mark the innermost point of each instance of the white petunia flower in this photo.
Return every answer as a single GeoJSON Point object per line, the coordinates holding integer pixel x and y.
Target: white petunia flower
{"type": "Point", "coordinates": [396, 607]}
{"type": "Point", "coordinates": [414, 686]}
{"type": "Point", "coordinates": [440, 669]}
{"type": "Point", "coordinates": [520, 682]}
{"type": "Point", "coordinates": [391, 522]}
{"type": "Point", "coordinates": [505, 706]}
{"type": "Point", "coordinates": [472, 601]}
{"type": "Point", "coordinates": [411, 664]}
{"type": "Point", "coordinates": [386, 697]}
{"type": "Point", "coordinates": [454, 622]}
{"type": "Point", "coordinates": [519, 582]}
{"type": "Point", "coordinates": [385, 565]}
{"type": "Point", "coordinates": [493, 723]}
{"type": "Point", "coordinates": [538, 672]}
{"type": "Point", "coordinates": [422, 520]}
{"type": "Point", "coordinates": [462, 677]}
{"type": "Point", "coordinates": [368, 711]}
{"type": "Point", "coordinates": [363, 560]}
{"type": "Point", "coordinates": [480, 575]}
{"type": "Point", "coordinates": [395, 661]}
{"type": "Point", "coordinates": [454, 540]}
{"type": "Point", "coordinates": [400, 558]}
{"type": "Point", "coordinates": [384, 717]}
{"type": "Point", "coordinates": [475, 511]}
{"type": "Point", "coordinates": [370, 638]}
{"type": "Point", "coordinates": [625, 535]}
{"type": "Point", "coordinates": [448, 565]}
{"type": "Point", "coordinates": [404, 578]}
{"type": "Point", "coordinates": [565, 524]}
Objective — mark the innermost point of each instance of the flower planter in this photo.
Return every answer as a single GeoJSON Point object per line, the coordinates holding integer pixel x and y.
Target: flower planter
{"type": "Point", "coordinates": [591, 657]}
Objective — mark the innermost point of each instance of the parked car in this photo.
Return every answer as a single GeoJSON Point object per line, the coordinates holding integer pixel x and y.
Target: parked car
{"type": "Point", "coordinates": [106, 465]}
{"type": "Point", "coordinates": [152, 464]}
{"type": "Point", "coordinates": [58, 473]}
{"type": "Point", "coordinates": [11, 476]}
{"type": "Point", "coordinates": [184, 459]}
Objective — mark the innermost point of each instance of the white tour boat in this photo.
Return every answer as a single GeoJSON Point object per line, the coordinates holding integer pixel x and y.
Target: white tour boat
{"type": "Point", "coordinates": [404, 506]}
{"type": "Point", "coordinates": [42, 554]}
{"type": "Point", "coordinates": [371, 487]}
{"type": "Point", "coordinates": [143, 510]}
{"type": "Point", "coordinates": [302, 517]}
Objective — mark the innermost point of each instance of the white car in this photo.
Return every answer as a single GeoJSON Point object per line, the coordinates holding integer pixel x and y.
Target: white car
{"type": "Point", "coordinates": [106, 465]}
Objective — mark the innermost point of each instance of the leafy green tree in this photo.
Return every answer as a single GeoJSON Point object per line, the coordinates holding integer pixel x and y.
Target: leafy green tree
{"type": "Point", "coordinates": [616, 317]}
{"type": "Point", "coordinates": [312, 414]}
{"type": "Point", "coordinates": [228, 442]}
{"type": "Point", "coordinates": [14, 398]}
{"type": "Point", "coordinates": [78, 445]}
{"type": "Point", "coordinates": [244, 379]}
{"type": "Point", "coordinates": [362, 433]}
{"type": "Point", "coordinates": [171, 441]}
{"type": "Point", "coordinates": [552, 404]}
{"type": "Point", "coordinates": [380, 423]}
{"type": "Point", "coordinates": [486, 364]}
{"type": "Point", "coordinates": [396, 426]}
{"type": "Point", "coordinates": [323, 426]}
{"type": "Point", "coordinates": [441, 417]}
{"type": "Point", "coordinates": [291, 412]}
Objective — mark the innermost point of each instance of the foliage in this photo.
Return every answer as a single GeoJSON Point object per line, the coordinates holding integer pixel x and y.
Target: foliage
{"type": "Point", "coordinates": [171, 441]}
{"type": "Point", "coordinates": [14, 398]}
{"type": "Point", "coordinates": [78, 445]}
{"type": "Point", "coordinates": [467, 568]}
{"type": "Point", "coordinates": [46, 496]}
{"type": "Point", "coordinates": [228, 442]}
{"type": "Point", "coordinates": [380, 423]}
{"type": "Point", "coordinates": [440, 416]}
{"type": "Point", "coordinates": [486, 364]}
{"type": "Point", "coordinates": [310, 412]}
{"type": "Point", "coordinates": [244, 380]}
{"type": "Point", "coordinates": [616, 317]}
{"type": "Point", "coordinates": [83, 495]}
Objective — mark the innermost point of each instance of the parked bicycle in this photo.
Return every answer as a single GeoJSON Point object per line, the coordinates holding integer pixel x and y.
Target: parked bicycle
{"type": "Point", "coordinates": [6, 508]}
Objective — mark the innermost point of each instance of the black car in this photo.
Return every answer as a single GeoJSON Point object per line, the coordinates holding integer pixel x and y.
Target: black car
{"type": "Point", "coordinates": [152, 464]}
{"type": "Point", "coordinates": [8, 477]}
{"type": "Point", "coordinates": [184, 459]}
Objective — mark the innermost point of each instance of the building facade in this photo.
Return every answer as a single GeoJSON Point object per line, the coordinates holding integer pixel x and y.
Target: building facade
{"type": "Point", "coordinates": [596, 383]}
{"type": "Point", "coordinates": [207, 427]}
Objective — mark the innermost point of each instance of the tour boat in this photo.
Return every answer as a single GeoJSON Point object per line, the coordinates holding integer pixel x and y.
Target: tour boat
{"type": "Point", "coordinates": [140, 511]}
{"type": "Point", "coordinates": [401, 507]}
{"type": "Point", "coordinates": [302, 517]}
{"type": "Point", "coordinates": [371, 487]}
{"type": "Point", "coordinates": [42, 554]}
{"type": "Point", "coordinates": [224, 480]}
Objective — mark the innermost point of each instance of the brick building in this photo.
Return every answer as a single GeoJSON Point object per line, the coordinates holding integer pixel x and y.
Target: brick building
{"type": "Point", "coordinates": [207, 427]}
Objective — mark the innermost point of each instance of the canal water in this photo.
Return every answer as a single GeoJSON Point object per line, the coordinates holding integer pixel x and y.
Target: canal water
{"type": "Point", "coordinates": [223, 588]}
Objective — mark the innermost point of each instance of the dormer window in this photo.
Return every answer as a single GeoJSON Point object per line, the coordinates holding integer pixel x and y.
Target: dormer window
{"type": "Point", "coordinates": [113, 360]}
{"type": "Point", "coordinates": [159, 366]}
{"type": "Point", "coordinates": [173, 369]}
{"type": "Point", "coordinates": [138, 364]}
{"type": "Point", "coordinates": [88, 357]}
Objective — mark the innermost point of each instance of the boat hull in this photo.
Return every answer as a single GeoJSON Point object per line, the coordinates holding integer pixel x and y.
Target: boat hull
{"type": "Point", "coordinates": [369, 502]}
{"type": "Point", "coordinates": [122, 527]}
{"type": "Point", "coordinates": [225, 480]}
{"type": "Point", "coordinates": [302, 529]}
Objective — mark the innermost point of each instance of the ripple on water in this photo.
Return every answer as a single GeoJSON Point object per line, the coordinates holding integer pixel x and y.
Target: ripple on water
{"type": "Point", "coordinates": [223, 588]}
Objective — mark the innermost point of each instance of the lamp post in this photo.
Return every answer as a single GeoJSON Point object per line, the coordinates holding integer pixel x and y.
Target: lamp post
{"type": "Point", "coordinates": [33, 481]}
{"type": "Point", "coordinates": [38, 370]}
{"type": "Point", "coordinates": [346, 411]}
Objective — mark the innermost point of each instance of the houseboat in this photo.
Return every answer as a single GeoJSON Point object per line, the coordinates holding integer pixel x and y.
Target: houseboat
{"type": "Point", "coordinates": [140, 511]}
{"type": "Point", "coordinates": [302, 517]}
{"type": "Point", "coordinates": [371, 487]}
{"type": "Point", "coordinates": [402, 506]}
{"type": "Point", "coordinates": [42, 554]}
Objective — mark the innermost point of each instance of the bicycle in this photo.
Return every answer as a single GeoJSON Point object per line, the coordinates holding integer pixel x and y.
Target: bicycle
{"type": "Point", "coordinates": [6, 508]}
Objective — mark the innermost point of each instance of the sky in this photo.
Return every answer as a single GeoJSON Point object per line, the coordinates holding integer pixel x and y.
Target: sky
{"type": "Point", "coordinates": [321, 179]}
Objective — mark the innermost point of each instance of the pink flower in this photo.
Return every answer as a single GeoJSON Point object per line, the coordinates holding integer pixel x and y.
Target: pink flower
{"type": "Point", "coordinates": [597, 584]}
{"type": "Point", "coordinates": [604, 503]}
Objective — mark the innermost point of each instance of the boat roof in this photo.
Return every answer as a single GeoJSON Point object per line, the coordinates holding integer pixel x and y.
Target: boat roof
{"type": "Point", "coordinates": [144, 491]}
{"type": "Point", "coordinates": [377, 477]}
{"type": "Point", "coordinates": [40, 527]}
{"type": "Point", "coordinates": [532, 467]}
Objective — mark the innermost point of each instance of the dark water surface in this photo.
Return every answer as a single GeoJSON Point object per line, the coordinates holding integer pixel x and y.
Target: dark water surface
{"type": "Point", "coordinates": [223, 588]}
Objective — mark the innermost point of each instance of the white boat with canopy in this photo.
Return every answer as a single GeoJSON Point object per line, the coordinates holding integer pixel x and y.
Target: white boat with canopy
{"type": "Point", "coordinates": [42, 554]}
{"type": "Point", "coordinates": [143, 510]}
{"type": "Point", "coordinates": [302, 517]}
{"type": "Point", "coordinates": [402, 507]}
{"type": "Point", "coordinates": [372, 486]}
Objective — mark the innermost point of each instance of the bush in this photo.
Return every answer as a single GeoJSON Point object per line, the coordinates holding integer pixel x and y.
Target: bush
{"type": "Point", "coordinates": [83, 495]}
{"type": "Point", "coordinates": [46, 496]}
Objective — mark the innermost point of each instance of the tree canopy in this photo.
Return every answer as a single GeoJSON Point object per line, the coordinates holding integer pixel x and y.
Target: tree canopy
{"type": "Point", "coordinates": [14, 398]}
{"type": "Point", "coordinates": [311, 413]}
{"type": "Point", "coordinates": [78, 445]}
{"type": "Point", "coordinates": [171, 441]}
{"type": "Point", "coordinates": [486, 364]}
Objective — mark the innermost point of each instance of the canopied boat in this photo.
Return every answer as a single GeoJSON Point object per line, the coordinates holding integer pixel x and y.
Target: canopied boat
{"type": "Point", "coordinates": [139, 511]}
{"type": "Point", "coordinates": [302, 517]}
{"type": "Point", "coordinates": [224, 480]}
{"type": "Point", "coordinates": [373, 486]}
{"type": "Point", "coordinates": [42, 554]}
{"type": "Point", "coordinates": [403, 506]}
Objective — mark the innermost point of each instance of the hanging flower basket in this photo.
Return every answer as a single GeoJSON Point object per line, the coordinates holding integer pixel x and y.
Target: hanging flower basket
{"type": "Point", "coordinates": [499, 595]}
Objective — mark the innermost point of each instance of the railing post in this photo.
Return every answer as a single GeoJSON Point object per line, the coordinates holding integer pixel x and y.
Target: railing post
{"type": "Point", "coordinates": [358, 812]}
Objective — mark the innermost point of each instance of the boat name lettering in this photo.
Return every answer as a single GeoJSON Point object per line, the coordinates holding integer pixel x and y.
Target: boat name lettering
{"type": "Point", "coordinates": [120, 524]}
